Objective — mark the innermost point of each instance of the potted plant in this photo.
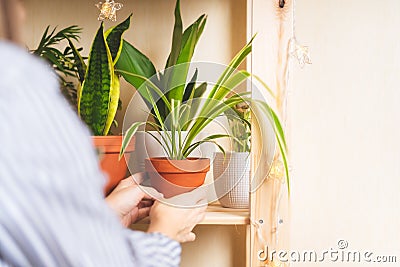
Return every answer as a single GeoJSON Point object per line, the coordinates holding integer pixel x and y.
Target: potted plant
{"type": "Point", "coordinates": [134, 66]}
{"type": "Point", "coordinates": [232, 169]}
{"type": "Point", "coordinates": [98, 98]}
{"type": "Point", "coordinates": [98, 91]}
{"type": "Point", "coordinates": [178, 104]}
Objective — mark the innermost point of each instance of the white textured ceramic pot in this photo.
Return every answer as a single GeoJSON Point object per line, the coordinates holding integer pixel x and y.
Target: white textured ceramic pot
{"type": "Point", "coordinates": [231, 179]}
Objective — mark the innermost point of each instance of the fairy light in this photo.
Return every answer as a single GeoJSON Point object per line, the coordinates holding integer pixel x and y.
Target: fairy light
{"type": "Point", "coordinates": [296, 50]}
{"type": "Point", "coordinates": [108, 10]}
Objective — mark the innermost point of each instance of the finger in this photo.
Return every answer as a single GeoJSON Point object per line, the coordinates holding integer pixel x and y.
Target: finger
{"type": "Point", "coordinates": [190, 237]}
{"type": "Point", "coordinates": [129, 196]}
{"type": "Point", "coordinates": [143, 213]}
{"type": "Point", "coordinates": [146, 203]}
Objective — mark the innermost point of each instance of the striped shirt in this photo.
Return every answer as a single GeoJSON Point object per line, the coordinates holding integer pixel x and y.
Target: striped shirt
{"type": "Point", "coordinates": [52, 212]}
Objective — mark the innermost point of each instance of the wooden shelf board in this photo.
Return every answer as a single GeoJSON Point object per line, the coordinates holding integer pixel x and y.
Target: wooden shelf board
{"type": "Point", "coordinates": [217, 215]}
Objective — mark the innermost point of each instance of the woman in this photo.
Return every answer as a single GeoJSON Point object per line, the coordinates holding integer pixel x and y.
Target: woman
{"type": "Point", "coordinates": [52, 212]}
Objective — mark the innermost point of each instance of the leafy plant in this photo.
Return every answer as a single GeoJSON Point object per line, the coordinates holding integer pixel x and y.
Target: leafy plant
{"type": "Point", "coordinates": [177, 105]}
{"type": "Point", "coordinates": [240, 126]}
{"type": "Point", "coordinates": [98, 96]}
{"type": "Point", "coordinates": [181, 116]}
{"type": "Point", "coordinates": [61, 61]}
{"type": "Point", "coordinates": [136, 68]}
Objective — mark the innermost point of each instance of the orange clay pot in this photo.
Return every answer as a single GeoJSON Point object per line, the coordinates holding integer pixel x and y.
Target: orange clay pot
{"type": "Point", "coordinates": [174, 177]}
{"type": "Point", "coordinates": [109, 147]}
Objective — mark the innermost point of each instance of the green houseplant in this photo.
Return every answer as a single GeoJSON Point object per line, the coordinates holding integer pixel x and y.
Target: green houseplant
{"type": "Point", "coordinates": [97, 95]}
{"type": "Point", "coordinates": [232, 169]}
{"type": "Point", "coordinates": [62, 61]}
{"type": "Point", "coordinates": [179, 107]}
{"type": "Point", "coordinates": [174, 82]}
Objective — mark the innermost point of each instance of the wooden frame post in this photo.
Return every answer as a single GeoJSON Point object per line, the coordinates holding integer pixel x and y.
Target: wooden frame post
{"type": "Point", "coordinates": [268, 199]}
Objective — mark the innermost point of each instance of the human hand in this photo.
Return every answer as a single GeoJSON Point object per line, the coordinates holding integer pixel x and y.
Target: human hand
{"type": "Point", "coordinates": [129, 201]}
{"type": "Point", "coordinates": [175, 221]}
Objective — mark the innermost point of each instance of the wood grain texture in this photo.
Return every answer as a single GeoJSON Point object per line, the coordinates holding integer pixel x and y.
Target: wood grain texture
{"type": "Point", "coordinates": [269, 61]}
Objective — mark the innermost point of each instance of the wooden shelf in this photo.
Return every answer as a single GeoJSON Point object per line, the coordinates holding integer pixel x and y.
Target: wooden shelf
{"type": "Point", "coordinates": [217, 215]}
{"type": "Point", "coordinates": [224, 216]}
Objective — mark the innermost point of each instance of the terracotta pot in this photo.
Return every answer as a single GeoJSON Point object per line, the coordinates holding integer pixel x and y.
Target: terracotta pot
{"type": "Point", "coordinates": [174, 177]}
{"type": "Point", "coordinates": [147, 147]}
{"type": "Point", "coordinates": [109, 147]}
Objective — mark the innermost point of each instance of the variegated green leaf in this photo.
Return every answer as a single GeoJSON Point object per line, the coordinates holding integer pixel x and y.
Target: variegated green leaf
{"type": "Point", "coordinates": [94, 98]}
{"type": "Point", "coordinates": [113, 105]}
{"type": "Point", "coordinates": [114, 38]}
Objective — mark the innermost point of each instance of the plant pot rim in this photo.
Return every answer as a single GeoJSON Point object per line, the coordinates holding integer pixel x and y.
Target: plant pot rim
{"type": "Point", "coordinates": [167, 165]}
{"type": "Point", "coordinates": [112, 143]}
{"type": "Point", "coordinates": [231, 152]}
{"type": "Point", "coordinates": [167, 158]}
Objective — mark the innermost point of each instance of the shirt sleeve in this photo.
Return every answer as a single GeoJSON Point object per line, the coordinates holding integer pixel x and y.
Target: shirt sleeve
{"type": "Point", "coordinates": [52, 212]}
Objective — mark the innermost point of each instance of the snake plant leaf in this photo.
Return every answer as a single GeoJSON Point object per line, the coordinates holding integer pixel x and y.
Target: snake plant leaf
{"type": "Point", "coordinates": [133, 63]}
{"type": "Point", "coordinates": [114, 102]}
{"type": "Point", "coordinates": [114, 38]}
{"type": "Point", "coordinates": [176, 37]}
{"type": "Point", "coordinates": [94, 96]}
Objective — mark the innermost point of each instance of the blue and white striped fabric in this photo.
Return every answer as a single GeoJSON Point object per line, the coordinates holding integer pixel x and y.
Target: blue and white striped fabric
{"type": "Point", "coordinates": [52, 212]}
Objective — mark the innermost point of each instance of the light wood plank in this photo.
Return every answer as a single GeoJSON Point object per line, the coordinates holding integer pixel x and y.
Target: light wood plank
{"type": "Point", "coordinates": [217, 215]}
{"type": "Point", "coordinates": [269, 61]}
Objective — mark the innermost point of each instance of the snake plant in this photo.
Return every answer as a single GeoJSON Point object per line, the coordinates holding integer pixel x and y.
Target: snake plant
{"type": "Point", "coordinates": [98, 95]}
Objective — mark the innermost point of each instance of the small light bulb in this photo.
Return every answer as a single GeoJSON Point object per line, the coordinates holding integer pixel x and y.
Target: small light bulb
{"type": "Point", "coordinates": [108, 10]}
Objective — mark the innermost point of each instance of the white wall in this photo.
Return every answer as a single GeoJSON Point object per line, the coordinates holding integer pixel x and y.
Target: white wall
{"type": "Point", "coordinates": [345, 128]}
